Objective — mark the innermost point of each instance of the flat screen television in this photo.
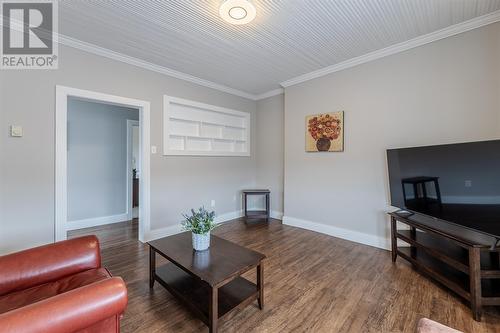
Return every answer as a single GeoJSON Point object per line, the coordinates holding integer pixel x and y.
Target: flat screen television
{"type": "Point", "coordinates": [457, 183]}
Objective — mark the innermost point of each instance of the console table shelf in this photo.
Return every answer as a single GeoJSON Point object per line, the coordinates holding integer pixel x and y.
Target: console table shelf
{"type": "Point", "coordinates": [429, 245]}
{"type": "Point", "coordinates": [468, 267]}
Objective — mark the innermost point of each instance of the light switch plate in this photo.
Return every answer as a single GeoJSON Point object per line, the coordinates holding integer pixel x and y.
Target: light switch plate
{"type": "Point", "coordinates": [153, 149]}
{"type": "Point", "coordinates": [16, 131]}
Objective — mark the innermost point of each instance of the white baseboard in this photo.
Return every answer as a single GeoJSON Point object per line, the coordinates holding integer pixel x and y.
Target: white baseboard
{"type": "Point", "coordinates": [163, 232]}
{"type": "Point", "coordinates": [228, 216]}
{"type": "Point", "coordinates": [175, 229]}
{"type": "Point", "coordinates": [95, 221]}
{"type": "Point", "coordinates": [351, 235]}
{"type": "Point", "coordinates": [276, 215]}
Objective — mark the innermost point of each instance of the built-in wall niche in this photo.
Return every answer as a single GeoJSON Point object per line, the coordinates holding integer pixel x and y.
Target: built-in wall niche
{"type": "Point", "coordinates": [192, 128]}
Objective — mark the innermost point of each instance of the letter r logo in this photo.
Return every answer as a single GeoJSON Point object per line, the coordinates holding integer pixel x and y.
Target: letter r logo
{"type": "Point", "coordinates": [27, 28]}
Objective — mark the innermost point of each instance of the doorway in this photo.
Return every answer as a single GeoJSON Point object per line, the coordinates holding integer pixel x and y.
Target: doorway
{"type": "Point", "coordinates": [65, 95]}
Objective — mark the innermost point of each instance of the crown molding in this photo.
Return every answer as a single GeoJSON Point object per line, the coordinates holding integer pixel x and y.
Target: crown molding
{"type": "Point", "coordinates": [452, 30]}
{"type": "Point", "coordinates": [391, 50]}
{"type": "Point", "coordinates": [97, 50]}
{"type": "Point", "coordinates": [270, 93]}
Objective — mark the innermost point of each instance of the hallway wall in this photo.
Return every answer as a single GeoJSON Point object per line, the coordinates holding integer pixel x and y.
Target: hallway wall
{"type": "Point", "coordinates": [97, 161]}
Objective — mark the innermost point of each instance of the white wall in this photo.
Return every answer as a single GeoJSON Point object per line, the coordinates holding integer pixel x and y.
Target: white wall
{"type": "Point", "coordinates": [27, 164]}
{"type": "Point", "coordinates": [442, 92]}
{"type": "Point", "coordinates": [97, 159]}
{"type": "Point", "coordinates": [270, 145]}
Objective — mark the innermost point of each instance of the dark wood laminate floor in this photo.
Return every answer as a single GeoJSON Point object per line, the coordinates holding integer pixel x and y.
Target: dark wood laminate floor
{"type": "Point", "coordinates": [313, 283]}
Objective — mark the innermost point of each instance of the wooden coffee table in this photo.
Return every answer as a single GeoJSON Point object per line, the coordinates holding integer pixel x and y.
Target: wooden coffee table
{"type": "Point", "coordinates": [208, 282]}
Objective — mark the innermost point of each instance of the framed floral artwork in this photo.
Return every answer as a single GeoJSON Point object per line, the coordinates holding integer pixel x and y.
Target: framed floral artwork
{"type": "Point", "coordinates": [325, 132]}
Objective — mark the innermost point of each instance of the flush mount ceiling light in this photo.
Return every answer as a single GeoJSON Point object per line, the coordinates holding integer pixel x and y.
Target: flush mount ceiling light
{"type": "Point", "coordinates": [237, 11]}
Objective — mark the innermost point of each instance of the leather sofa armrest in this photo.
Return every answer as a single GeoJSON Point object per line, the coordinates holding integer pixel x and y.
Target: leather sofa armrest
{"type": "Point", "coordinates": [28, 268]}
{"type": "Point", "coordinates": [71, 311]}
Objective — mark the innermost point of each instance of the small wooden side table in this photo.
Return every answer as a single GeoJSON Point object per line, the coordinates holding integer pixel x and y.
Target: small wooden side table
{"type": "Point", "coordinates": [257, 214]}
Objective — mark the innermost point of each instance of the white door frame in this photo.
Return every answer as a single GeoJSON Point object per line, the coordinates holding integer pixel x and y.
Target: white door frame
{"type": "Point", "coordinates": [61, 175]}
{"type": "Point", "coordinates": [130, 180]}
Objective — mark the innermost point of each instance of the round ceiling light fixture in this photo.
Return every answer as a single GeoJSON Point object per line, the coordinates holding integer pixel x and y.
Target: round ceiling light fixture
{"type": "Point", "coordinates": [237, 11]}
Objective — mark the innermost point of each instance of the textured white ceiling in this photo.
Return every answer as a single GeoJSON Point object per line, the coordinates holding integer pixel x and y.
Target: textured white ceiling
{"type": "Point", "coordinates": [287, 39]}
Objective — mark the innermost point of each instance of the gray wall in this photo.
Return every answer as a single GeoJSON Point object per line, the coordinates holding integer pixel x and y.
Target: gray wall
{"type": "Point", "coordinates": [443, 92]}
{"type": "Point", "coordinates": [27, 164]}
{"type": "Point", "coordinates": [97, 159]}
{"type": "Point", "coordinates": [270, 146]}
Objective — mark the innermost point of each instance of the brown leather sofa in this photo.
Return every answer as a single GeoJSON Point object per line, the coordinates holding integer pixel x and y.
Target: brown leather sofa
{"type": "Point", "coordinates": [60, 287]}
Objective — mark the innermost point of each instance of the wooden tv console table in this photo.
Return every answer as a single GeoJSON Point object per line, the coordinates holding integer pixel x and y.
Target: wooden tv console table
{"type": "Point", "coordinates": [465, 261]}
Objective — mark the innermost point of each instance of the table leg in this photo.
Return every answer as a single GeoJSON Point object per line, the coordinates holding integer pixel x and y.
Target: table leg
{"type": "Point", "coordinates": [152, 267]}
{"type": "Point", "coordinates": [260, 284]}
{"type": "Point", "coordinates": [245, 204]}
{"type": "Point", "coordinates": [475, 282]}
{"type": "Point", "coordinates": [413, 248]}
{"type": "Point", "coordinates": [394, 240]}
{"type": "Point", "coordinates": [268, 207]}
{"type": "Point", "coordinates": [213, 310]}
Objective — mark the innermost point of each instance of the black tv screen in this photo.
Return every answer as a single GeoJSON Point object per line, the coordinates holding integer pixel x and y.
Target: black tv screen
{"type": "Point", "coordinates": [458, 183]}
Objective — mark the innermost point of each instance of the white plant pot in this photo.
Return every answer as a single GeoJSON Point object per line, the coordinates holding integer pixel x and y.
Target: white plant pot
{"type": "Point", "coordinates": [201, 242]}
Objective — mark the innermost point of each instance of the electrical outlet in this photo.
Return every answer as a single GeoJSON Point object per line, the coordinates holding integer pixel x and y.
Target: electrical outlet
{"type": "Point", "coordinates": [212, 203]}
{"type": "Point", "coordinates": [16, 131]}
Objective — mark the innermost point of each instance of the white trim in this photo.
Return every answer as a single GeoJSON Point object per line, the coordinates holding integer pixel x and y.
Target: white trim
{"type": "Point", "coordinates": [94, 49]}
{"type": "Point", "coordinates": [208, 108]}
{"type": "Point", "coordinates": [270, 93]}
{"type": "Point", "coordinates": [223, 218]}
{"type": "Point", "coordinates": [61, 156]}
{"type": "Point", "coordinates": [418, 41]}
{"type": "Point", "coordinates": [62, 94]}
{"type": "Point", "coordinates": [276, 215]}
{"type": "Point", "coordinates": [163, 232]}
{"type": "Point", "coordinates": [95, 221]}
{"type": "Point", "coordinates": [199, 105]}
{"type": "Point", "coordinates": [128, 173]}
{"type": "Point", "coordinates": [103, 52]}
{"type": "Point", "coordinates": [351, 235]}
{"type": "Point", "coordinates": [228, 216]}
{"type": "Point", "coordinates": [175, 229]}
{"type": "Point", "coordinates": [400, 47]}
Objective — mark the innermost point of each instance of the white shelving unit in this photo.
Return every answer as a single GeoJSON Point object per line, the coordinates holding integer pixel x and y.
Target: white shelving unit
{"type": "Point", "coordinates": [198, 129]}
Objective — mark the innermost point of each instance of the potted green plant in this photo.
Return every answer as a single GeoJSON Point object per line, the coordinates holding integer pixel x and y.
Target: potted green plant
{"type": "Point", "coordinates": [200, 223]}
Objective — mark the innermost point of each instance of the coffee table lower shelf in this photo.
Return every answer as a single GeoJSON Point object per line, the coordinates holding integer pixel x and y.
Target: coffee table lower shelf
{"type": "Point", "coordinates": [195, 293]}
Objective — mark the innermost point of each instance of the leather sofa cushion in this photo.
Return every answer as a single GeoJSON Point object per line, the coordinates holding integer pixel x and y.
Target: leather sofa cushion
{"type": "Point", "coordinates": [43, 264]}
{"type": "Point", "coordinates": [28, 296]}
